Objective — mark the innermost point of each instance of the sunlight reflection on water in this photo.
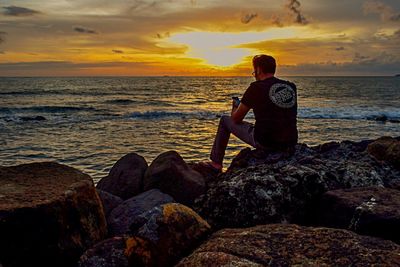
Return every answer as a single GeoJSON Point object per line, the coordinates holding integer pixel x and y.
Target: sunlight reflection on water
{"type": "Point", "coordinates": [92, 122]}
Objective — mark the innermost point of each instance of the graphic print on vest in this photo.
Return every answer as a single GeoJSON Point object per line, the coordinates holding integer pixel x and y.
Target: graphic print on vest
{"type": "Point", "coordinates": [282, 95]}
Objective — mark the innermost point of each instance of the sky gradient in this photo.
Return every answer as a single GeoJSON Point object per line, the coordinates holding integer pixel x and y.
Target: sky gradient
{"type": "Point", "coordinates": [198, 37]}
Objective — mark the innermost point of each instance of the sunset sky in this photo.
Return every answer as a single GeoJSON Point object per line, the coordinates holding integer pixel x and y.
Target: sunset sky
{"type": "Point", "coordinates": [198, 37]}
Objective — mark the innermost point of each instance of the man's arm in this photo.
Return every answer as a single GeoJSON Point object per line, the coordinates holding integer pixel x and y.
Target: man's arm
{"type": "Point", "coordinates": [238, 113]}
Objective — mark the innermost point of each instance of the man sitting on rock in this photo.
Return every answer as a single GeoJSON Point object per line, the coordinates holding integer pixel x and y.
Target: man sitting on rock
{"type": "Point", "coordinates": [274, 103]}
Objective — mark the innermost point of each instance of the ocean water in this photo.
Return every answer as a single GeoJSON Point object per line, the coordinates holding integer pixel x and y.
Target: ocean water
{"type": "Point", "coordinates": [90, 122]}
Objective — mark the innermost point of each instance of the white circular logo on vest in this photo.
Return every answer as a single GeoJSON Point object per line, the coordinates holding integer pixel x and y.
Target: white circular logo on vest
{"type": "Point", "coordinates": [282, 95]}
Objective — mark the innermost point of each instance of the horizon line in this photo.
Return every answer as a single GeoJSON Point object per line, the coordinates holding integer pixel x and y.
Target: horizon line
{"type": "Point", "coordinates": [192, 76]}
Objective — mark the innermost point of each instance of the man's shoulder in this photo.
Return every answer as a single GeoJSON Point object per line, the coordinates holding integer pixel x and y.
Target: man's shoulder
{"type": "Point", "coordinates": [253, 86]}
{"type": "Point", "coordinates": [269, 82]}
{"type": "Point", "coordinates": [278, 80]}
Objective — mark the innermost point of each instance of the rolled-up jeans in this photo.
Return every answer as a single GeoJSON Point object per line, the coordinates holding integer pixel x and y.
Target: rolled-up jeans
{"type": "Point", "coordinates": [243, 130]}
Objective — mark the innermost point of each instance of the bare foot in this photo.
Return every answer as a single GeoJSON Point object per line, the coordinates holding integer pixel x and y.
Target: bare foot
{"type": "Point", "coordinates": [216, 165]}
{"type": "Point", "coordinates": [212, 164]}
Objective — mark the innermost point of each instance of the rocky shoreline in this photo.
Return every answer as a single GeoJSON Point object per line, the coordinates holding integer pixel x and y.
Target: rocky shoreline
{"type": "Point", "coordinates": [336, 204]}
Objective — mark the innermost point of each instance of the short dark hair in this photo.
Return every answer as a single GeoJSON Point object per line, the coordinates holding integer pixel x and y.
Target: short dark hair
{"type": "Point", "coordinates": [265, 62]}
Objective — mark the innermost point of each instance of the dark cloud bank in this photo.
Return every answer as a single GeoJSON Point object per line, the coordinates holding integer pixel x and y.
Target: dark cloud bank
{"type": "Point", "coordinates": [81, 29]}
{"type": "Point", "coordinates": [18, 11]}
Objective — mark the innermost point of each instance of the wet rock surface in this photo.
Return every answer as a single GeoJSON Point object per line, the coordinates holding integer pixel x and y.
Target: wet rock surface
{"type": "Point", "coordinates": [126, 213]}
{"type": "Point", "coordinates": [386, 149]}
{"type": "Point", "coordinates": [172, 230]}
{"type": "Point", "coordinates": [109, 201]}
{"type": "Point", "coordinates": [120, 252]}
{"type": "Point", "coordinates": [292, 245]}
{"type": "Point", "coordinates": [259, 189]}
{"type": "Point", "coordinates": [125, 179]}
{"type": "Point", "coordinates": [108, 253]}
{"type": "Point", "coordinates": [208, 173]}
{"type": "Point", "coordinates": [370, 211]}
{"type": "Point", "coordinates": [170, 173]}
{"type": "Point", "coordinates": [49, 215]}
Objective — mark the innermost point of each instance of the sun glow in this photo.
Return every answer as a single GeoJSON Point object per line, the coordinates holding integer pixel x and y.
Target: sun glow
{"type": "Point", "coordinates": [222, 49]}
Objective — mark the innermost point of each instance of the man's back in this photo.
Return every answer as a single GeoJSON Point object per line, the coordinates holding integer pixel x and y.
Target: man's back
{"type": "Point", "coordinates": [274, 102]}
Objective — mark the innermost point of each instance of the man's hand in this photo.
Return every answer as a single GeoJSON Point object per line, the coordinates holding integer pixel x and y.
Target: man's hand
{"type": "Point", "coordinates": [239, 112]}
{"type": "Point", "coordinates": [234, 106]}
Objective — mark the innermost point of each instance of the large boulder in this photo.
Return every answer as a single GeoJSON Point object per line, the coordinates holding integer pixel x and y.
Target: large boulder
{"type": "Point", "coordinates": [119, 252]}
{"type": "Point", "coordinates": [125, 179]}
{"type": "Point", "coordinates": [109, 201]}
{"type": "Point", "coordinates": [170, 173]}
{"type": "Point", "coordinates": [292, 245]}
{"type": "Point", "coordinates": [387, 149]}
{"type": "Point", "coordinates": [279, 188]}
{"type": "Point", "coordinates": [172, 231]}
{"type": "Point", "coordinates": [368, 211]}
{"type": "Point", "coordinates": [123, 215]}
{"type": "Point", "coordinates": [49, 215]}
{"type": "Point", "coordinates": [209, 173]}
{"type": "Point", "coordinates": [107, 253]}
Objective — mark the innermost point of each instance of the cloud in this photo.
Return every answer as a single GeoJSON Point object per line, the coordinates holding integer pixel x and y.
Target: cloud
{"type": "Point", "coordinates": [140, 5]}
{"type": "Point", "coordinates": [142, 34]}
{"type": "Point", "coordinates": [294, 7]}
{"type": "Point", "coordinates": [116, 51]}
{"type": "Point", "coordinates": [385, 11]}
{"type": "Point", "coordinates": [381, 58]}
{"type": "Point", "coordinates": [293, 15]}
{"type": "Point", "coordinates": [382, 64]}
{"type": "Point", "coordinates": [2, 38]}
{"type": "Point", "coordinates": [358, 58]}
{"type": "Point", "coordinates": [19, 11]}
{"type": "Point", "coordinates": [40, 68]}
{"type": "Point", "coordinates": [397, 34]}
{"type": "Point", "coordinates": [161, 36]}
{"type": "Point", "coordinates": [340, 48]}
{"type": "Point", "coordinates": [84, 30]}
{"type": "Point", "coordinates": [246, 18]}
{"type": "Point", "coordinates": [395, 17]}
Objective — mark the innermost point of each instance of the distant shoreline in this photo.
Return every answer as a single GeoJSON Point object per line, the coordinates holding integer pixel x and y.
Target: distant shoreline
{"type": "Point", "coordinates": [211, 76]}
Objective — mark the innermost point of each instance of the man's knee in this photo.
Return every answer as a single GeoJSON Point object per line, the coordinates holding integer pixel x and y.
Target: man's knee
{"type": "Point", "coordinates": [225, 120]}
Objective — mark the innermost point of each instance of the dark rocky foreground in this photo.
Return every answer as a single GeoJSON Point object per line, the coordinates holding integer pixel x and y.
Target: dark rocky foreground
{"type": "Point", "coordinates": [336, 204]}
{"type": "Point", "coordinates": [49, 215]}
{"type": "Point", "coordinates": [292, 245]}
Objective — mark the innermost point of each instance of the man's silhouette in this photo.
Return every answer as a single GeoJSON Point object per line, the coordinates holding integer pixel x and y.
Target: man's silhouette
{"type": "Point", "coordinates": [274, 103]}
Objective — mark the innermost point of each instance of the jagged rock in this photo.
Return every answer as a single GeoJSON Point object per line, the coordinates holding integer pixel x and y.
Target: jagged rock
{"type": "Point", "coordinates": [109, 201]}
{"type": "Point", "coordinates": [292, 245]}
{"type": "Point", "coordinates": [158, 237]}
{"type": "Point", "coordinates": [124, 214]}
{"type": "Point", "coordinates": [387, 149]}
{"type": "Point", "coordinates": [208, 173]}
{"type": "Point", "coordinates": [212, 258]}
{"type": "Point", "coordinates": [169, 173]}
{"type": "Point", "coordinates": [107, 253]}
{"type": "Point", "coordinates": [119, 252]}
{"type": "Point", "coordinates": [125, 179]}
{"type": "Point", "coordinates": [370, 211]}
{"type": "Point", "coordinates": [173, 230]}
{"type": "Point", "coordinates": [261, 190]}
{"type": "Point", "coordinates": [49, 215]}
